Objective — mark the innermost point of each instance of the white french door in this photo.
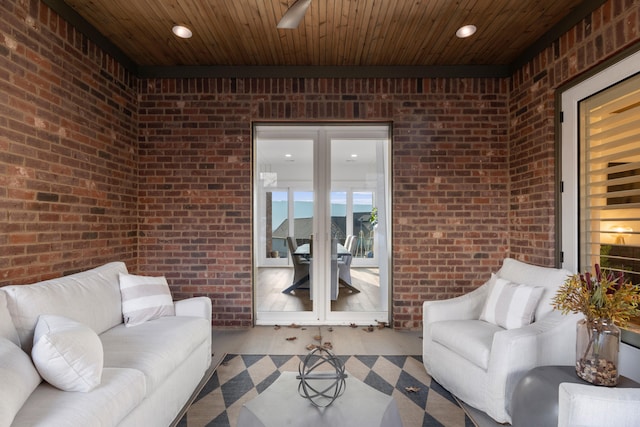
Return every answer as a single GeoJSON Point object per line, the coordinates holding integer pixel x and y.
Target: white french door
{"type": "Point", "coordinates": [318, 185]}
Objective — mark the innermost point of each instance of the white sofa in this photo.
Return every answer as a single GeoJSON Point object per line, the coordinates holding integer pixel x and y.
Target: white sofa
{"type": "Point", "coordinates": [149, 370]}
{"type": "Point", "coordinates": [481, 362]}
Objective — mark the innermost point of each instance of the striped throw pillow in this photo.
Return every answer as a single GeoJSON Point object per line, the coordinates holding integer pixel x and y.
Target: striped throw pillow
{"type": "Point", "coordinates": [144, 298]}
{"type": "Point", "coordinates": [511, 305]}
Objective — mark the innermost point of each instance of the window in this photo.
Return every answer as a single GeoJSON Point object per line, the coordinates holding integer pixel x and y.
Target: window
{"type": "Point", "coordinates": [600, 172]}
{"type": "Point", "coordinates": [610, 179]}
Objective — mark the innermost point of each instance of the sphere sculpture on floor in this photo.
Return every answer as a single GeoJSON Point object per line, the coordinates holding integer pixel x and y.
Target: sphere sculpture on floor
{"type": "Point", "coordinates": [322, 377]}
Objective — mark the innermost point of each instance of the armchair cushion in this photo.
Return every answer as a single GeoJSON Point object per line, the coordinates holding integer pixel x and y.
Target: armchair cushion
{"type": "Point", "coordinates": [511, 305]}
{"type": "Point", "coordinates": [475, 345]}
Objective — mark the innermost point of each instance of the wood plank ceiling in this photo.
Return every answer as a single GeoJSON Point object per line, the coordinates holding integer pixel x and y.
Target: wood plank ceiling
{"type": "Point", "coordinates": [332, 33]}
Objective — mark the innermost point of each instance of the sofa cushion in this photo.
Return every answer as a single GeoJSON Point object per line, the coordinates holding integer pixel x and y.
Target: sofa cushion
{"type": "Point", "coordinates": [91, 297]}
{"type": "Point", "coordinates": [120, 391]}
{"type": "Point", "coordinates": [144, 298]}
{"type": "Point", "coordinates": [7, 330]}
{"type": "Point", "coordinates": [19, 379]}
{"type": "Point", "coordinates": [67, 354]}
{"type": "Point", "coordinates": [471, 339]}
{"type": "Point", "coordinates": [156, 347]}
{"type": "Point", "coordinates": [511, 305]}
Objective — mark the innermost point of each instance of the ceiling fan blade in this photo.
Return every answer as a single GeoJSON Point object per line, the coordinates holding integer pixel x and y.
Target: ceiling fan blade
{"type": "Point", "coordinates": [292, 17]}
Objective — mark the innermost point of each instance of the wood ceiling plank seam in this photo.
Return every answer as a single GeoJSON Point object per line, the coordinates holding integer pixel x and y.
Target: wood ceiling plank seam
{"type": "Point", "coordinates": [274, 44]}
{"type": "Point", "coordinates": [204, 42]}
{"type": "Point", "coordinates": [440, 33]}
{"type": "Point", "coordinates": [162, 42]}
{"type": "Point", "coordinates": [505, 17]}
{"type": "Point", "coordinates": [285, 36]}
{"type": "Point", "coordinates": [373, 34]}
{"type": "Point", "coordinates": [341, 41]}
{"type": "Point", "coordinates": [323, 32]}
{"type": "Point", "coordinates": [416, 14]}
{"type": "Point", "coordinates": [433, 14]}
{"type": "Point", "coordinates": [250, 37]}
{"type": "Point", "coordinates": [379, 42]}
{"type": "Point", "coordinates": [228, 31]}
{"type": "Point", "coordinates": [464, 47]}
{"type": "Point", "coordinates": [111, 19]}
{"type": "Point", "coordinates": [350, 30]}
{"type": "Point", "coordinates": [313, 41]}
{"type": "Point", "coordinates": [266, 47]}
{"type": "Point", "coordinates": [450, 42]}
{"type": "Point", "coordinates": [336, 37]}
{"type": "Point", "coordinates": [386, 28]}
{"type": "Point", "coordinates": [358, 30]}
{"type": "Point", "coordinates": [219, 31]}
{"type": "Point", "coordinates": [513, 27]}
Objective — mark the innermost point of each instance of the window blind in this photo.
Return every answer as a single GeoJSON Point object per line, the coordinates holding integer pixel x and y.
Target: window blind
{"type": "Point", "coordinates": [610, 179]}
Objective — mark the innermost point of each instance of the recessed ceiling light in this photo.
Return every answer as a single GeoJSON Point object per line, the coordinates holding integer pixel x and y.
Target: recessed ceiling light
{"type": "Point", "coordinates": [287, 155]}
{"type": "Point", "coordinates": [466, 31]}
{"type": "Point", "coordinates": [354, 156]}
{"type": "Point", "coordinates": [182, 31]}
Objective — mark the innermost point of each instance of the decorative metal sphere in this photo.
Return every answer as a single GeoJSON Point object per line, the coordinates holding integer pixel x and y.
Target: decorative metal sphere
{"type": "Point", "coordinates": [322, 377]}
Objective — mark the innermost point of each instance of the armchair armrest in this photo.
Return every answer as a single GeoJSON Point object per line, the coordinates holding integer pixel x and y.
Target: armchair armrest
{"type": "Point", "coordinates": [464, 307]}
{"type": "Point", "coordinates": [549, 341]}
{"type": "Point", "coordinates": [587, 405]}
{"type": "Point", "coordinates": [194, 307]}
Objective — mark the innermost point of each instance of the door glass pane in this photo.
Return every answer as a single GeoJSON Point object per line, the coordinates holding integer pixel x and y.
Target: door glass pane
{"type": "Point", "coordinates": [285, 220]}
{"type": "Point", "coordinates": [363, 212]}
{"type": "Point", "coordinates": [354, 183]}
{"type": "Point", "coordinates": [277, 211]}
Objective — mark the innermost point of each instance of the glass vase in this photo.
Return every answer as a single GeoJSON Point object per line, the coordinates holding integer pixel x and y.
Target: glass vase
{"type": "Point", "coordinates": [597, 348]}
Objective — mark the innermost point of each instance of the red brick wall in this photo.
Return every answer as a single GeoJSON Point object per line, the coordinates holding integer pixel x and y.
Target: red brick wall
{"type": "Point", "coordinates": [450, 179]}
{"type": "Point", "coordinates": [609, 30]}
{"type": "Point", "coordinates": [473, 162]}
{"type": "Point", "coordinates": [68, 156]}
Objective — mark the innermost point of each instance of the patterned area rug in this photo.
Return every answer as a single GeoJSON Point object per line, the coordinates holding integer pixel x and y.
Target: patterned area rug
{"type": "Point", "coordinates": [239, 378]}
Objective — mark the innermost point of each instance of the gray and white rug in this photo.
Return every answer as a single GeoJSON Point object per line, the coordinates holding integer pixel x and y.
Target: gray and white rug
{"type": "Point", "coordinates": [240, 378]}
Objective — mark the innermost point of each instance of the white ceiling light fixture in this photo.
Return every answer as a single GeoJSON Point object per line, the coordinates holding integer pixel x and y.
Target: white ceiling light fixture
{"type": "Point", "coordinates": [182, 31]}
{"type": "Point", "coordinates": [466, 31]}
{"type": "Point", "coordinates": [292, 17]}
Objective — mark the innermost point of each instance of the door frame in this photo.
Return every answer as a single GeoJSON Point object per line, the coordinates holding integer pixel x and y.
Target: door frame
{"type": "Point", "coordinates": [321, 312]}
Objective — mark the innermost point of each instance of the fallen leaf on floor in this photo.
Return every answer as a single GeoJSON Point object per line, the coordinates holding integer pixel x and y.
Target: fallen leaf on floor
{"type": "Point", "coordinates": [330, 329]}
{"type": "Point", "coordinates": [318, 337]}
{"type": "Point", "coordinates": [353, 325]}
{"type": "Point", "coordinates": [368, 329]}
{"type": "Point", "coordinates": [311, 347]}
{"type": "Point", "coordinates": [303, 329]}
{"type": "Point", "coordinates": [328, 345]}
{"type": "Point", "coordinates": [276, 327]}
{"type": "Point", "coordinates": [292, 338]}
{"type": "Point", "coordinates": [412, 389]}
{"type": "Point", "coordinates": [293, 325]}
{"type": "Point", "coordinates": [382, 325]}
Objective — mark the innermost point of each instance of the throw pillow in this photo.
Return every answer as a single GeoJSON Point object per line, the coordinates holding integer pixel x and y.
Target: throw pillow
{"type": "Point", "coordinates": [67, 354]}
{"type": "Point", "coordinates": [19, 379]}
{"type": "Point", "coordinates": [144, 298]}
{"type": "Point", "coordinates": [511, 305]}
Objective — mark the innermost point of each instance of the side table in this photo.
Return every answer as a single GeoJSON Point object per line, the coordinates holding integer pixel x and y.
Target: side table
{"type": "Point", "coordinates": [534, 402]}
{"type": "Point", "coordinates": [281, 405]}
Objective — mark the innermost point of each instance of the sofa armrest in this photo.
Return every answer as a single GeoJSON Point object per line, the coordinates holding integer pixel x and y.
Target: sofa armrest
{"type": "Point", "coordinates": [587, 405]}
{"type": "Point", "coordinates": [464, 307]}
{"type": "Point", "coordinates": [194, 307]}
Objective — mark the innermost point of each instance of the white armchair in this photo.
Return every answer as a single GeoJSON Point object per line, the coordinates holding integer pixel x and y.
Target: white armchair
{"type": "Point", "coordinates": [481, 362]}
